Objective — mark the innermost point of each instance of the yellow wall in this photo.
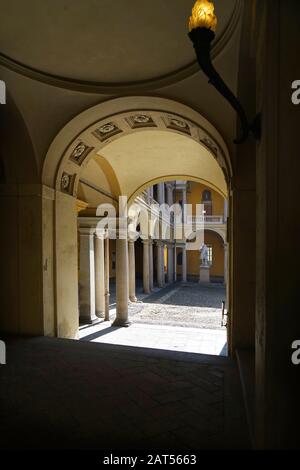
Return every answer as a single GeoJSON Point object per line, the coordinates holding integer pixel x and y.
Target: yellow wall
{"type": "Point", "coordinates": [193, 257]}
{"type": "Point", "coordinates": [194, 197]}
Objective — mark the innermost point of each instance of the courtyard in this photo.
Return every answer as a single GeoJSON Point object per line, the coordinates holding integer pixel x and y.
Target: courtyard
{"type": "Point", "coordinates": [182, 317]}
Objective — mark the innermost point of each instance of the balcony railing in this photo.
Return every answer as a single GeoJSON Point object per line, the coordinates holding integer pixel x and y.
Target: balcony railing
{"type": "Point", "coordinates": [207, 219]}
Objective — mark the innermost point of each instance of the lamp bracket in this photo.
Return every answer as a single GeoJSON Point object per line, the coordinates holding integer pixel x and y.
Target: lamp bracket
{"type": "Point", "coordinates": [202, 39]}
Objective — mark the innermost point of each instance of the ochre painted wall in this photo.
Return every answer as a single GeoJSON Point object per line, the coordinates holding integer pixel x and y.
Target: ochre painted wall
{"type": "Point", "coordinates": [194, 196]}
{"type": "Point", "coordinates": [193, 257]}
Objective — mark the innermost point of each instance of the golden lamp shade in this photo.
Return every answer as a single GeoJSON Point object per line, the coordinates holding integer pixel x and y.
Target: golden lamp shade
{"type": "Point", "coordinates": [203, 16]}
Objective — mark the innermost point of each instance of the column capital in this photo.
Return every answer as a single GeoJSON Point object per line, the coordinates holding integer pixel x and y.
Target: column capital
{"type": "Point", "coordinates": [87, 231]}
{"type": "Point", "coordinates": [100, 233]}
{"type": "Point", "coordinates": [159, 243]}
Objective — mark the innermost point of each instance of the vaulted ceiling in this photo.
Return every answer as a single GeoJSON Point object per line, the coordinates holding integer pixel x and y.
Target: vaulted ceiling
{"type": "Point", "coordinates": [59, 57]}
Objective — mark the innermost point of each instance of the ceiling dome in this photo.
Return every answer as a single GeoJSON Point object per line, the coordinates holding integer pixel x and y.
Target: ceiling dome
{"type": "Point", "coordinates": [103, 42]}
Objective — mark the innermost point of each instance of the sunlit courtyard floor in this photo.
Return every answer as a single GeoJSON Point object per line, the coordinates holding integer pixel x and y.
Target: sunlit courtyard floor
{"type": "Point", "coordinates": [181, 317]}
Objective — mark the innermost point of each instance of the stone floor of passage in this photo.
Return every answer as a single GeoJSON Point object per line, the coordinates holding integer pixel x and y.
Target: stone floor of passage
{"type": "Point", "coordinates": [68, 394]}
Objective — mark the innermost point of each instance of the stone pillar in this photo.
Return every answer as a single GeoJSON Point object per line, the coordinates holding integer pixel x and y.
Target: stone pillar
{"type": "Point", "coordinates": [170, 198]}
{"type": "Point", "coordinates": [131, 261]}
{"type": "Point", "coordinates": [87, 277]}
{"type": "Point", "coordinates": [99, 274]}
{"type": "Point", "coordinates": [146, 267]}
{"type": "Point", "coordinates": [122, 281]}
{"type": "Point", "coordinates": [175, 263]}
{"type": "Point", "coordinates": [184, 202]}
{"type": "Point", "coordinates": [107, 294]}
{"type": "Point", "coordinates": [171, 248]}
{"type": "Point", "coordinates": [151, 281]}
{"type": "Point", "coordinates": [184, 265]}
{"type": "Point", "coordinates": [170, 263]}
{"type": "Point", "coordinates": [225, 210]}
{"type": "Point", "coordinates": [161, 193]}
{"type": "Point", "coordinates": [225, 263]}
{"type": "Point", "coordinates": [184, 219]}
{"type": "Point", "coordinates": [160, 264]}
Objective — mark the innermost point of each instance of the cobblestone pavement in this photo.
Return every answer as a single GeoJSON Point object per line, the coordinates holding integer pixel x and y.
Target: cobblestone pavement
{"type": "Point", "coordinates": [186, 305]}
{"type": "Point", "coordinates": [180, 317]}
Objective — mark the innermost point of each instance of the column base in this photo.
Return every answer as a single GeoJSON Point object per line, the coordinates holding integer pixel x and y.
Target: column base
{"type": "Point", "coordinates": [121, 323]}
{"type": "Point", "coordinates": [100, 314]}
{"type": "Point", "coordinates": [106, 316]}
{"type": "Point", "coordinates": [89, 321]}
{"type": "Point", "coordinates": [133, 299]}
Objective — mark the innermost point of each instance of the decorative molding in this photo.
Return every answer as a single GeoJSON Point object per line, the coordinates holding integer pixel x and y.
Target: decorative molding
{"type": "Point", "coordinates": [179, 125]}
{"type": "Point", "coordinates": [138, 121]}
{"type": "Point", "coordinates": [106, 131]}
{"type": "Point", "coordinates": [81, 205]}
{"type": "Point", "coordinates": [83, 128]}
{"type": "Point", "coordinates": [129, 87]}
{"type": "Point", "coordinates": [80, 153]}
{"type": "Point", "coordinates": [67, 183]}
{"type": "Point", "coordinates": [210, 144]}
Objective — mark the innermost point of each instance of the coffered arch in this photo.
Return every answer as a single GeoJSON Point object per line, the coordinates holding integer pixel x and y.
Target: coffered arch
{"type": "Point", "coordinates": [138, 139]}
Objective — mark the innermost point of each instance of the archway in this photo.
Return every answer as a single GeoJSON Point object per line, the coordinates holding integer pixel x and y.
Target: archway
{"type": "Point", "coordinates": [106, 152]}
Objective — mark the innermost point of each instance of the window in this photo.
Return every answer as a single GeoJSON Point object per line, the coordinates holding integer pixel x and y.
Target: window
{"type": "Point", "coordinates": [207, 202]}
{"type": "Point", "coordinates": [179, 259]}
{"type": "Point", "coordinates": [206, 196]}
{"type": "Point", "coordinates": [210, 255]}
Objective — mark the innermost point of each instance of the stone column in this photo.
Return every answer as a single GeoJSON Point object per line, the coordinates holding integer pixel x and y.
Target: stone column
{"type": "Point", "coordinates": [170, 263]}
{"type": "Point", "coordinates": [225, 210]}
{"type": "Point", "coordinates": [122, 282]}
{"type": "Point", "coordinates": [99, 274]}
{"type": "Point", "coordinates": [184, 202]}
{"type": "Point", "coordinates": [131, 256]}
{"type": "Point", "coordinates": [87, 277]}
{"type": "Point", "coordinates": [161, 193]}
{"type": "Point", "coordinates": [175, 263]}
{"type": "Point", "coordinates": [107, 263]}
{"type": "Point", "coordinates": [184, 219]}
{"type": "Point", "coordinates": [225, 263]}
{"type": "Point", "coordinates": [170, 198]}
{"type": "Point", "coordinates": [146, 267]}
{"type": "Point", "coordinates": [184, 265]}
{"type": "Point", "coordinates": [160, 264]}
{"type": "Point", "coordinates": [151, 281]}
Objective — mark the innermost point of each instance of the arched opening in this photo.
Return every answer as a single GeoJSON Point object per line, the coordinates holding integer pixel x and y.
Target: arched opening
{"type": "Point", "coordinates": [103, 154]}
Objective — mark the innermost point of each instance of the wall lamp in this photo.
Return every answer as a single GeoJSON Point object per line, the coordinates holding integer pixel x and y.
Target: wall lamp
{"type": "Point", "coordinates": [202, 29]}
